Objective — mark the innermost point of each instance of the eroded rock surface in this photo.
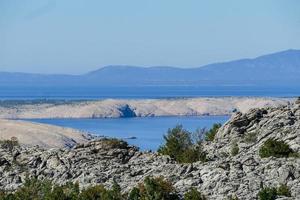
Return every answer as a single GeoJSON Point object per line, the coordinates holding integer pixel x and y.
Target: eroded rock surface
{"type": "Point", "coordinates": [243, 175]}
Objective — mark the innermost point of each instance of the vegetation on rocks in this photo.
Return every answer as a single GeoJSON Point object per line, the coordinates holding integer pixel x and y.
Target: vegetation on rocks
{"type": "Point", "coordinates": [251, 137]}
{"type": "Point", "coordinates": [194, 194]}
{"type": "Point", "coordinates": [180, 146]}
{"type": "Point", "coordinates": [234, 149]}
{"type": "Point", "coordinates": [275, 148]}
{"type": "Point", "coordinates": [283, 190]}
{"type": "Point", "coordinates": [210, 135]}
{"type": "Point", "coordinates": [271, 193]}
{"type": "Point", "coordinates": [154, 189]}
{"type": "Point", "coordinates": [114, 143]}
{"type": "Point", "coordinates": [267, 194]}
{"type": "Point", "coordinates": [9, 144]}
{"type": "Point", "coordinates": [151, 189]}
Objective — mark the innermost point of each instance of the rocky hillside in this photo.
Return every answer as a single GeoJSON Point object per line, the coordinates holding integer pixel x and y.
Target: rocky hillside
{"type": "Point", "coordinates": [235, 165]}
{"type": "Point", "coordinates": [46, 136]}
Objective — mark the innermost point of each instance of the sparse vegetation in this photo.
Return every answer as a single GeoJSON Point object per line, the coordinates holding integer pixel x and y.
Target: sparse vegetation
{"type": "Point", "coordinates": [283, 190]}
{"type": "Point", "coordinates": [271, 193]}
{"type": "Point", "coordinates": [233, 197]}
{"type": "Point", "coordinates": [267, 194]}
{"type": "Point", "coordinates": [154, 189]}
{"type": "Point", "coordinates": [250, 137]}
{"type": "Point", "coordinates": [114, 143]}
{"type": "Point", "coordinates": [234, 149]}
{"type": "Point", "coordinates": [151, 189]}
{"type": "Point", "coordinates": [275, 148]}
{"type": "Point", "coordinates": [180, 146]}
{"type": "Point", "coordinates": [100, 192]}
{"type": "Point", "coordinates": [210, 135]}
{"type": "Point", "coordinates": [194, 194]}
{"type": "Point", "coordinates": [9, 144]}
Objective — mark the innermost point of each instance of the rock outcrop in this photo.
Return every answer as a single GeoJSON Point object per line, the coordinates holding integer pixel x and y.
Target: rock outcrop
{"type": "Point", "coordinates": [242, 174]}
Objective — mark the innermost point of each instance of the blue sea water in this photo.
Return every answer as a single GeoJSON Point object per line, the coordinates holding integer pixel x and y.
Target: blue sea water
{"type": "Point", "coordinates": [148, 131]}
{"type": "Point", "coordinates": [82, 93]}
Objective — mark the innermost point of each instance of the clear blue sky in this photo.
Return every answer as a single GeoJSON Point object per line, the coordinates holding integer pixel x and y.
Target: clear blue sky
{"type": "Point", "coordinates": [76, 36]}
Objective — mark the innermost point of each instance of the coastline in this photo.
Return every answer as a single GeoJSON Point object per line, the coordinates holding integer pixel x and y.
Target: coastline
{"type": "Point", "coordinates": [124, 108]}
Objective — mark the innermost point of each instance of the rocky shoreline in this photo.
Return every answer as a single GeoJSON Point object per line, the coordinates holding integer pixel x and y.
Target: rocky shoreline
{"type": "Point", "coordinates": [117, 108]}
{"type": "Point", "coordinates": [224, 175]}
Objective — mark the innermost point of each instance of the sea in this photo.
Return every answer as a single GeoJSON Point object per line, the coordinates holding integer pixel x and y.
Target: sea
{"type": "Point", "coordinates": [140, 92]}
{"type": "Point", "coordinates": [146, 132]}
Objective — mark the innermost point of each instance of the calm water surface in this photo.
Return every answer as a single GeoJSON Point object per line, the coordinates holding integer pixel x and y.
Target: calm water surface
{"type": "Point", "coordinates": [148, 131]}
{"type": "Point", "coordinates": [75, 93]}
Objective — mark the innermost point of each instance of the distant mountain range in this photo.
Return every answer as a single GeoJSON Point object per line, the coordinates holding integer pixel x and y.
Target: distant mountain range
{"type": "Point", "coordinates": [277, 69]}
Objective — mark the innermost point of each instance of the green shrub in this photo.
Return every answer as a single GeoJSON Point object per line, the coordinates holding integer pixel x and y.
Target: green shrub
{"type": "Point", "coordinates": [154, 189]}
{"type": "Point", "coordinates": [180, 146]}
{"type": "Point", "coordinates": [193, 194]}
{"type": "Point", "coordinates": [70, 190]}
{"type": "Point", "coordinates": [210, 135]}
{"type": "Point", "coordinates": [273, 193]}
{"type": "Point", "coordinates": [283, 190]}
{"type": "Point", "coordinates": [94, 192]}
{"type": "Point", "coordinates": [192, 155]}
{"type": "Point", "coordinates": [34, 189]}
{"type": "Point", "coordinates": [177, 141]}
{"type": "Point", "coordinates": [101, 193]}
{"type": "Point", "coordinates": [134, 194]}
{"type": "Point", "coordinates": [267, 194]}
{"type": "Point", "coordinates": [275, 148]}
{"type": "Point", "coordinates": [234, 149]}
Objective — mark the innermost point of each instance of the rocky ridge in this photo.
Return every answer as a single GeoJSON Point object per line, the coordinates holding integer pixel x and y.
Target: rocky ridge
{"type": "Point", "coordinates": [243, 174]}
{"type": "Point", "coordinates": [116, 108]}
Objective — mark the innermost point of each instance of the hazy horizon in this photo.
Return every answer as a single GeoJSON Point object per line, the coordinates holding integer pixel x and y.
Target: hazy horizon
{"type": "Point", "coordinates": [75, 37]}
{"type": "Point", "coordinates": [126, 65]}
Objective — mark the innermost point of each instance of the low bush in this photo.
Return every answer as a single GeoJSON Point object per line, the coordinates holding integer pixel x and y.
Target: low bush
{"type": "Point", "coordinates": [234, 149]}
{"type": "Point", "coordinates": [283, 190]}
{"type": "Point", "coordinates": [210, 135]}
{"type": "Point", "coordinates": [151, 189]}
{"type": "Point", "coordinates": [275, 148]}
{"type": "Point", "coordinates": [154, 189]}
{"type": "Point", "coordinates": [34, 189]}
{"type": "Point", "coordinates": [194, 194]}
{"type": "Point", "coordinates": [267, 194]}
{"type": "Point", "coordinates": [272, 193]}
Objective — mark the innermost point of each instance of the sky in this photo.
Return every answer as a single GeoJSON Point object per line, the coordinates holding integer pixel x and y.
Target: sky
{"type": "Point", "coordinates": [78, 36]}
